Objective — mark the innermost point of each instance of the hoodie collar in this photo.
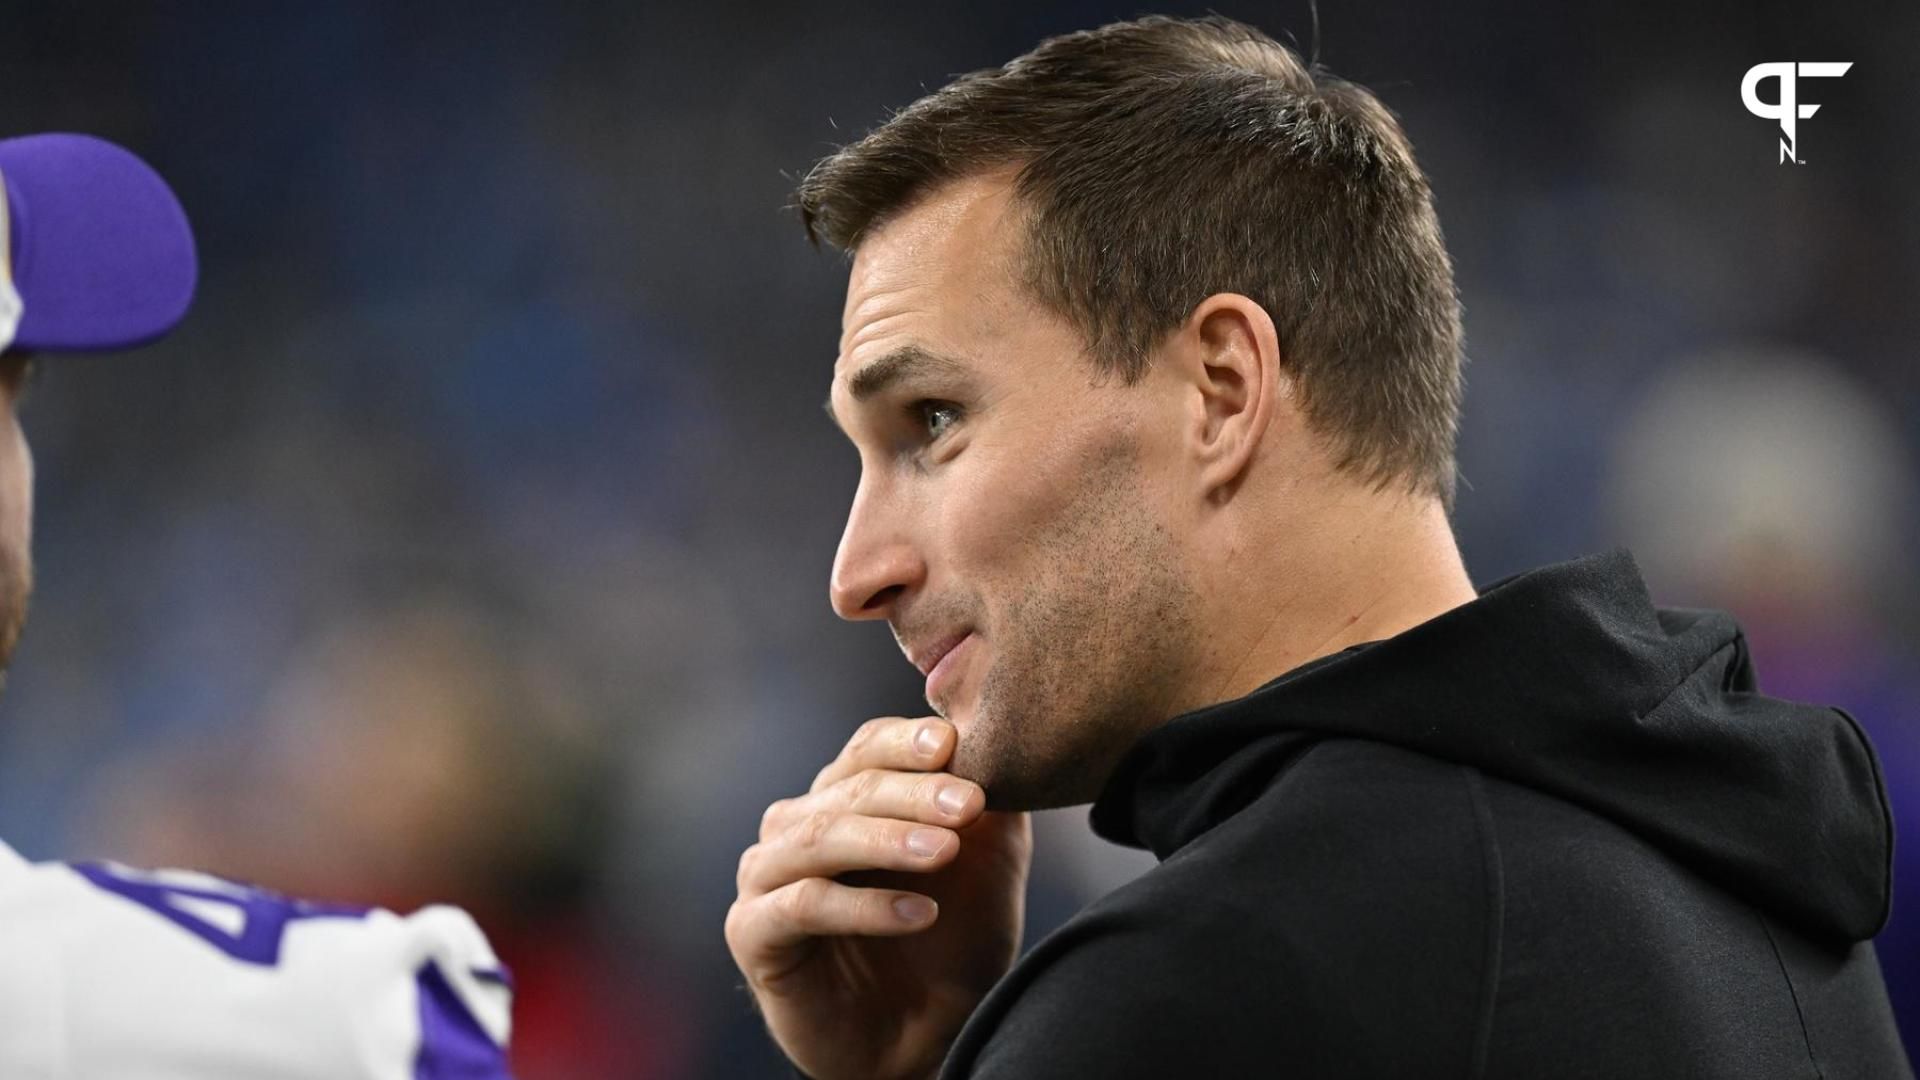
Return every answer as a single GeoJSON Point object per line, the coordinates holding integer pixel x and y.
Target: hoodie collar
{"type": "Point", "coordinates": [1568, 680]}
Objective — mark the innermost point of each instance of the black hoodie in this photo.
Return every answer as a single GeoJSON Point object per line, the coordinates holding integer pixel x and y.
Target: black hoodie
{"type": "Point", "coordinates": [1554, 832]}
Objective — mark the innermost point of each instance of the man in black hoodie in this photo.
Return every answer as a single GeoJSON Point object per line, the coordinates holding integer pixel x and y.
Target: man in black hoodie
{"type": "Point", "coordinates": [1152, 358]}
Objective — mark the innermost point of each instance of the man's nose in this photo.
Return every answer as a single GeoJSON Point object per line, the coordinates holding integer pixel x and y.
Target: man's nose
{"type": "Point", "coordinates": [876, 563]}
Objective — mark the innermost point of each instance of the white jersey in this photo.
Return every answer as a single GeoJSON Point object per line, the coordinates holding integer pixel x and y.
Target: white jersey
{"type": "Point", "coordinates": [111, 973]}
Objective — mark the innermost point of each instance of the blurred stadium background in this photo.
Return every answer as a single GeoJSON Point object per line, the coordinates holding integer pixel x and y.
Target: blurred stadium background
{"type": "Point", "coordinates": [470, 541]}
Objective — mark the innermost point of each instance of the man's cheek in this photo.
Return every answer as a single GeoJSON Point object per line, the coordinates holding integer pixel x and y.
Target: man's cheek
{"type": "Point", "coordinates": [1015, 494]}
{"type": "Point", "coordinates": [985, 527]}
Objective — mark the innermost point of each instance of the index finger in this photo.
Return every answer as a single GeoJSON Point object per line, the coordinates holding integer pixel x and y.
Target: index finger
{"type": "Point", "coordinates": [920, 744]}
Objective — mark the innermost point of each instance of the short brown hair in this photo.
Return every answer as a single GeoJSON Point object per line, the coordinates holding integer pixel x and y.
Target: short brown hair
{"type": "Point", "coordinates": [1164, 160]}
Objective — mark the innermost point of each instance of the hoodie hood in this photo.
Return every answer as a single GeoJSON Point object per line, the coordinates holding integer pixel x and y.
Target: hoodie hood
{"type": "Point", "coordinates": [1568, 680]}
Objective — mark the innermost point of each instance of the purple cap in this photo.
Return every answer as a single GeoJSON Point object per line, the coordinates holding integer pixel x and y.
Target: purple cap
{"type": "Point", "coordinates": [101, 251]}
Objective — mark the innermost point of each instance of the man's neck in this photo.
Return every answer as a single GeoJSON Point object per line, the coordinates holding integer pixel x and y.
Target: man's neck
{"type": "Point", "coordinates": [1378, 568]}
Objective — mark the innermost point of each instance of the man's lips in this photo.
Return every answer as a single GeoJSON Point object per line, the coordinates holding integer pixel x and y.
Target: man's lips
{"type": "Point", "coordinates": [942, 672]}
{"type": "Point", "coordinates": [928, 657]}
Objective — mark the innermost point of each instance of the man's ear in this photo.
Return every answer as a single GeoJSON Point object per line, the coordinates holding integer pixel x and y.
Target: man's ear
{"type": "Point", "coordinates": [1230, 358]}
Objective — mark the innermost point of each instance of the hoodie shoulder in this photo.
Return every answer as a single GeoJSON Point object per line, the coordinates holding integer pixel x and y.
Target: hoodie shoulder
{"type": "Point", "coordinates": [1604, 931]}
{"type": "Point", "coordinates": [1569, 681]}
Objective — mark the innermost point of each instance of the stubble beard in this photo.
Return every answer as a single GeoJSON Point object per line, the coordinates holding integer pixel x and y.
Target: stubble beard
{"type": "Point", "coordinates": [1086, 655]}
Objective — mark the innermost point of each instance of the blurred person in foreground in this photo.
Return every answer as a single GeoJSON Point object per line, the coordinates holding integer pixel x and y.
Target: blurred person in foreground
{"type": "Point", "coordinates": [112, 971]}
{"type": "Point", "coordinates": [1151, 354]}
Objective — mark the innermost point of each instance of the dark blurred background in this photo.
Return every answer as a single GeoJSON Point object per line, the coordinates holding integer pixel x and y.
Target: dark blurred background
{"type": "Point", "coordinates": [470, 540]}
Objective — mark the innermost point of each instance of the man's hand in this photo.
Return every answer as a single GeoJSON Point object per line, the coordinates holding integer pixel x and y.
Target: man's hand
{"type": "Point", "coordinates": [880, 907]}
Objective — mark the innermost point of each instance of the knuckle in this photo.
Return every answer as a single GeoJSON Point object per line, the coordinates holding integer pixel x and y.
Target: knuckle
{"type": "Point", "coordinates": [924, 790]}
{"type": "Point", "coordinates": [787, 903]}
{"type": "Point", "coordinates": [735, 930]}
{"type": "Point", "coordinates": [770, 821]}
{"type": "Point", "coordinates": [812, 831]}
{"type": "Point", "coordinates": [866, 734]}
{"type": "Point", "coordinates": [800, 900]}
{"type": "Point", "coordinates": [869, 908]}
{"type": "Point", "coordinates": [863, 786]}
{"type": "Point", "coordinates": [823, 777]}
{"type": "Point", "coordinates": [889, 838]}
{"type": "Point", "coordinates": [813, 893]}
{"type": "Point", "coordinates": [744, 873]}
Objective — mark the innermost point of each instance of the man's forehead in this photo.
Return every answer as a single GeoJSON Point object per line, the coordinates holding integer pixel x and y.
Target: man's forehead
{"type": "Point", "coordinates": [901, 326]}
{"type": "Point", "coordinates": [938, 270]}
{"type": "Point", "coordinates": [971, 213]}
{"type": "Point", "coordinates": [883, 304]}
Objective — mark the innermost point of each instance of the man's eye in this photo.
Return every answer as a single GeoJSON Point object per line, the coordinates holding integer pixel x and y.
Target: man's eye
{"type": "Point", "coordinates": [936, 416]}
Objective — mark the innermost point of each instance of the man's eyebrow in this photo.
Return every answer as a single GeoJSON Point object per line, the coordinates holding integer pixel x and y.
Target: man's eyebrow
{"type": "Point", "coordinates": [902, 363]}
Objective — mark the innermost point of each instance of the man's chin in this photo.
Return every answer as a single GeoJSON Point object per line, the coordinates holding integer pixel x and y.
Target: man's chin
{"type": "Point", "coordinates": [954, 709]}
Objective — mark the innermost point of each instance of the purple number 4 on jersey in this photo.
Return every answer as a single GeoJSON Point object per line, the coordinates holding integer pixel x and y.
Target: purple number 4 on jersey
{"type": "Point", "coordinates": [262, 916]}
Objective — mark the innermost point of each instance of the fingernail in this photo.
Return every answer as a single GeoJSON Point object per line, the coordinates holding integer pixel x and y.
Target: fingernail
{"type": "Point", "coordinates": [926, 843]}
{"type": "Point", "coordinates": [927, 739]}
{"type": "Point", "coordinates": [952, 799]}
{"type": "Point", "coordinates": [913, 908]}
